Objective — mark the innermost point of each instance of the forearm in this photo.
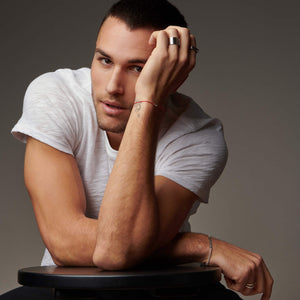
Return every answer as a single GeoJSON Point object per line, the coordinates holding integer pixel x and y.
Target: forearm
{"type": "Point", "coordinates": [74, 247]}
{"type": "Point", "coordinates": [184, 248]}
{"type": "Point", "coordinates": [128, 219]}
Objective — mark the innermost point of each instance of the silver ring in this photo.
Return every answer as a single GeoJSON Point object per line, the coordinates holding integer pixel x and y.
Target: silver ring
{"type": "Point", "coordinates": [194, 49]}
{"type": "Point", "coordinates": [250, 286]}
{"type": "Point", "coordinates": [173, 40]}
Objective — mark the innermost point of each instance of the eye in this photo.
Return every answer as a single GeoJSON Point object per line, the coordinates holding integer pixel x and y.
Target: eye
{"type": "Point", "coordinates": [137, 69]}
{"type": "Point", "coordinates": [105, 60]}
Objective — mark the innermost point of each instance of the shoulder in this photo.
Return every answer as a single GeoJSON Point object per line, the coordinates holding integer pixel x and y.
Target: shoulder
{"type": "Point", "coordinates": [64, 91]}
{"type": "Point", "coordinates": [54, 108]}
{"type": "Point", "coordinates": [185, 117]}
{"type": "Point", "coordinates": [60, 80]}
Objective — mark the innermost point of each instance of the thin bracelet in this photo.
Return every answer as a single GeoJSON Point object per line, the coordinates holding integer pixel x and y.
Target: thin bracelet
{"type": "Point", "coordinates": [210, 250]}
{"type": "Point", "coordinates": [154, 104]}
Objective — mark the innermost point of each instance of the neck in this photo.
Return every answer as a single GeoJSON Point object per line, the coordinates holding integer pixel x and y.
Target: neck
{"type": "Point", "coordinates": [114, 139]}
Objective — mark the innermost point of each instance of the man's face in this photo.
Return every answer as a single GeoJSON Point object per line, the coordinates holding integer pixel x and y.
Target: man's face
{"type": "Point", "coordinates": [119, 58]}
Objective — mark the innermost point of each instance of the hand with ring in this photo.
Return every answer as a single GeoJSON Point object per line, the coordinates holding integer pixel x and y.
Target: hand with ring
{"type": "Point", "coordinates": [172, 59]}
{"type": "Point", "coordinates": [244, 271]}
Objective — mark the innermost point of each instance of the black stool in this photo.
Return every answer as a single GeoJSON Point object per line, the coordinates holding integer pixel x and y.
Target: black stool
{"type": "Point", "coordinates": [179, 282]}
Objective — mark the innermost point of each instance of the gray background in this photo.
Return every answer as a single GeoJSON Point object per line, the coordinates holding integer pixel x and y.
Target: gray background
{"type": "Point", "coordinates": [247, 75]}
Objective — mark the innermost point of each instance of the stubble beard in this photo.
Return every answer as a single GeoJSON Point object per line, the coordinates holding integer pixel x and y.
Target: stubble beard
{"type": "Point", "coordinates": [119, 127]}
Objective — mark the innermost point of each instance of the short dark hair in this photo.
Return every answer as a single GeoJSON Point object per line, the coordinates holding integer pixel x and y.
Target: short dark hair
{"type": "Point", "coordinates": [155, 14]}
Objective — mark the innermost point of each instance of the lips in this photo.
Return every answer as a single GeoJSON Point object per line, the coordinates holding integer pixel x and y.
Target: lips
{"type": "Point", "coordinates": [112, 108]}
{"type": "Point", "coordinates": [112, 105]}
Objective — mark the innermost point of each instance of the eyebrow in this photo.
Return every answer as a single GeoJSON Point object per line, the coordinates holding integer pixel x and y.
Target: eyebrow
{"type": "Point", "coordinates": [102, 52]}
{"type": "Point", "coordinates": [131, 61]}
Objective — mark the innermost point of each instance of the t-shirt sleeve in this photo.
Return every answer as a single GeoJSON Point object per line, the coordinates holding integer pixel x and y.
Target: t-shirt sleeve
{"type": "Point", "coordinates": [49, 114]}
{"type": "Point", "coordinates": [195, 160]}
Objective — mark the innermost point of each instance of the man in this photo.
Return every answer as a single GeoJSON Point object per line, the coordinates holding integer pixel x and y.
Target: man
{"type": "Point", "coordinates": [116, 161]}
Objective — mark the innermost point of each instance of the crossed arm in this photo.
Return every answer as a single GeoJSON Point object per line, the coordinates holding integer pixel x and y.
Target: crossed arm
{"type": "Point", "coordinates": [140, 214]}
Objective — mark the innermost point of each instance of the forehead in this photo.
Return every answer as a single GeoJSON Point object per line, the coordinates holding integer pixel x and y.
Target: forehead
{"type": "Point", "coordinates": [116, 39]}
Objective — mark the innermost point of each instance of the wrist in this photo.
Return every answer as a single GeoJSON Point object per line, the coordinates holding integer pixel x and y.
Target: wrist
{"type": "Point", "coordinates": [207, 253]}
{"type": "Point", "coordinates": [206, 244]}
{"type": "Point", "coordinates": [201, 248]}
{"type": "Point", "coordinates": [159, 99]}
{"type": "Point", "coordinates": [210, 250]}
{"type": "Point", "coordinates": [217, 257]}
{"type": "Point", "coordinates": [159, 107]}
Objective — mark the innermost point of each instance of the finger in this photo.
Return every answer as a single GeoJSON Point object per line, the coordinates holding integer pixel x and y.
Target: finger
{"type": "Point", "coordinates": [178, 74]}
{"type": "Point", "coordinates": [185, 41]}
{"type": "Point", "coordinates": [173, 48]}
{"type": "Point", "coordinates": [153, 38]}
{"type": "Point", "coordinates": [260, 274]}
{"type": "Point", "coordinates": [187, 58]}
{"type": "Point", "coordinates": [244, 280]}
{"type": "Point", "coordinates": [256, 279]}
{"type": "Point", "coordinates": [162, 41]}
{"type": "Point", "coordinates": [184, 36]}
{"type": "Point", "coordinates": [232, 284]}
{"type": "Point", "coordinates": [264, 280]}
{"type": "Point", "coordinates": [193, 53]}
{"type": "Point", "coordinates": [261, 279]}
{"type": "Point", "coordinates": [250, 288]}
{"type": "Point", "coordinates": [268, 283]}
{"type": "Point", "coordinates": [229, 283]}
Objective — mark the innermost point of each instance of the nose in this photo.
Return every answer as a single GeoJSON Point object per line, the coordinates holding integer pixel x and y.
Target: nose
{"type": "Point", "coordinates": [115, 84]}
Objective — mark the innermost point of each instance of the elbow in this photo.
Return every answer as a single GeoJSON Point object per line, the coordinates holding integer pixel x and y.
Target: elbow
{"type": "Point", "coordinates": [58, 262]}
{"type": "Point", "coordinates": [120, 254]}
{"type": "Point", "coordinates": [111, 262]}
{"type": "Point", "coordinates": [63, 254]}
{"type": "Point", "coordinates": [57, 256]}
{"type": "Point", "coordinates": [113, 259]}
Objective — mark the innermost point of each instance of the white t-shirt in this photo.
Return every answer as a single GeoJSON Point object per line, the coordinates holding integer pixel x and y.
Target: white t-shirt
{"type": "Point", "coordinates": [58, 110]}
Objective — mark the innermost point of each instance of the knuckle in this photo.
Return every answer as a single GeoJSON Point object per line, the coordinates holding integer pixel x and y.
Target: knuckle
{"type": "Point", "coordinates": [162, 33]}
{"type": "Point", "coordinates": [245, 271]}
{"type": "Point", "coordinates": [247, 274]}
{"type": "Point", "coordinates": [163, 57]}
{"type": "Point", "coordinates": [258, 260]}
{"type": "Point", "coordinates": [170, 27]}
{"type": "Point", "coordinates": [183, 60]}
{"type": "Point", "coordinates": [171, 30]}
{"type": "Point", "coordinates": [252, 266]}
{"type": "Point", "coordinates": [185, 31]}
{"type": "Point", "coordinates": [173, 60]}
{"type": "Point", "coordinates": [242, 274]}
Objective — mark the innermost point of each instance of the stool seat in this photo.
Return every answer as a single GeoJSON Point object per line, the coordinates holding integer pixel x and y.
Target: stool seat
{"type": "Point", "coordinates": [94, 278]}
{"type": "Point", "coordinates": [66, 279]}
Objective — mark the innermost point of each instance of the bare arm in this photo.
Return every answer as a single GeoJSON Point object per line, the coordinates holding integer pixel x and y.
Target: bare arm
{"type": "Point", "coordinates": [239, 266]}
{"type": "Point", "coordinates": [53, 181]}
{"type": "Point", "coordinates": [56, 191]}
{"type": "Point", "coordinates": [138, 215]}
{"type": "Point", "coordinates": [71, 237]}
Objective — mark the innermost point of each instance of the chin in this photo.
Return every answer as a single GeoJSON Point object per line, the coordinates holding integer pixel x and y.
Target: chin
{"type": "Point", "coordinates": [116, 128]}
